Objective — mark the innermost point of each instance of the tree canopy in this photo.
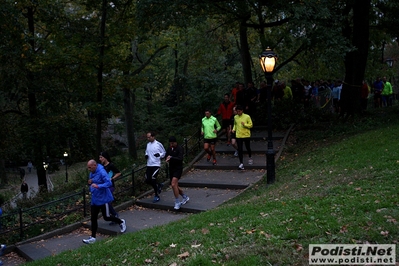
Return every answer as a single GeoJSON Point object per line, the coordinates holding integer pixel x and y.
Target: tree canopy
{"type": "Point", "coordinates": [68, 66]}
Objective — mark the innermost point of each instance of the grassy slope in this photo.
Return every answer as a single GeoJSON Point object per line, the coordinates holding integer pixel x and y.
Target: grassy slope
{"type": "Point", "coordinates": [335, 185]}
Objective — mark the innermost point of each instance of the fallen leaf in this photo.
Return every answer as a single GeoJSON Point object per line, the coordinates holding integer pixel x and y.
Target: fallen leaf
{"type": "Point", "coordinates": [205, 231]}
{"type": "Point", "coordinates": [147, 260]}
{"type": "Point", "coordinates": [184, 255]}
{"type": "Point", "coordinates": [344, 229]}
{"type": "Point", "coordinates": [172, 245]}
{"type": "Point", "coordinates": [384, 233]}
{"type": "Point", "coordinates": [196, 246]}
{"type": "Point", "coordinates": [265, 234]}
{"type": "Point", "coordinates": [298, 247]}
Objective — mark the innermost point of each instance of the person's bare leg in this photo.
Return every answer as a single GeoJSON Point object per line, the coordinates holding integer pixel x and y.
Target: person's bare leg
{"type": "Point", "coordinates": [175, 187]}
{"type": "Point", "coordinates": [213, 151]}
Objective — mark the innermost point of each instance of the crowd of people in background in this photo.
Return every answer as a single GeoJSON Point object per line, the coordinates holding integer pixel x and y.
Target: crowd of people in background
{"type": "Point", "coordinates": [383, 93]}
{"type": "Point", "coordinates": [298, 92]}
{"type": "Point", "coordinates": [319, 93]}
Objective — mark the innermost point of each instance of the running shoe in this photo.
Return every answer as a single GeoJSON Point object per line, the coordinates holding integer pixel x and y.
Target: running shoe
{"type": "Point", "coordinates": [184, 201]}
{"type": "Point", "coordinates": [236, 153]}
{"type": "Point", "coordinates": [208, 158]}
{"type": "Point", "coordinates": [177, 205]}
{"type": "Point", "coordinates": [214, 161]}
{"type": "Point", "coordinates": [160, 186]}
{"type": "Point", "coordinates": [90, 240]}
{"type": "Point", "coordinates": [123, 226]}
{"type": "Point", "coordinates": [250, 161]}
{"type": "Point", "coordinates": [2, 248]}
{"type": "Point", "coordinates": [241, 166]}
{"type": "Point", "coordinates": [156, 199]}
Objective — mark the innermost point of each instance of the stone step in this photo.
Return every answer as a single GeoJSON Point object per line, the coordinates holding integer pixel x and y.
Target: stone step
{"type": "Point", "coordinates": [206, 190]}
{"type": "Point", "coordinates": [201, 199]}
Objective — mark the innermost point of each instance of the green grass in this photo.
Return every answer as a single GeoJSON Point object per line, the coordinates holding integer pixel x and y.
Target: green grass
{"type": "Point", "coordinates": [336, 184]}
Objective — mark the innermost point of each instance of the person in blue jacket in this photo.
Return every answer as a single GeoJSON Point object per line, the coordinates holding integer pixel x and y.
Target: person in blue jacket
{"type": "Point", "coordinates": [101, 196]}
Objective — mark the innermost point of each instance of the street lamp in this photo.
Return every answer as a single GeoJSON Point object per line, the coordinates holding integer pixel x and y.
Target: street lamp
{"type": "Point", "coordinates": [45, 166]}
{"type": "Point", "coordinates": [268, 60]}
{"type": "Point", "coordinates": [389, 62]}
{"type": "Point", "coordinates": [66, 166]}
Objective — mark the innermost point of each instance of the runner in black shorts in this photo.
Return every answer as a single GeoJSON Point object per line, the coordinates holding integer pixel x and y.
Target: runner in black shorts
{"type": "Point", "coordinates": [174, 157]}
{"type": "Point", "coordinates": [209, 129]}
{"type": "Point", "coordinates": [225, 111]}
{"type": "Point", "coordinates": [211, 141]}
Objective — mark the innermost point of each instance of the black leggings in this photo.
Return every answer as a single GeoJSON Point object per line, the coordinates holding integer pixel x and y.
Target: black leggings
{"type": "Point", "coordinates": [151, 177]}
{"type": "Point", "coordinates": [95, 210]}
{"type": "Point", "coordinates": [240, 141]}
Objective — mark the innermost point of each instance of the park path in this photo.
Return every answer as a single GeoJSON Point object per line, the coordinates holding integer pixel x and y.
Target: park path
{"type": "Point", "coordinates": [207, 185]}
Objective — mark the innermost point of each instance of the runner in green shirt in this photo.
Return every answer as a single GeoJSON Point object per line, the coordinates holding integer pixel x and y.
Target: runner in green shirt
{"type": "Point", "coordinates": [209, 128]}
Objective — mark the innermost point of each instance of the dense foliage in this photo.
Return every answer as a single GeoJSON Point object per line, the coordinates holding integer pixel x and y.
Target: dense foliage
{"type": "Point", "coordinates": [69, 66]}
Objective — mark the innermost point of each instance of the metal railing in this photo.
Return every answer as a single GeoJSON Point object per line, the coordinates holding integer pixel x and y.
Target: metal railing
{"type": "Point", "coordinates": [19, 224]}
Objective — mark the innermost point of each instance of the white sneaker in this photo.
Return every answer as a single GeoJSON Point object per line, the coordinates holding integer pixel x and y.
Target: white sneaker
{"type": "Point", "coordinates": [250, 161]}
{"type": "Point", "coordinates": [90, 240]}
{"type": "Point", "coordinates": [241, 166]}
{"type": "Point", "coordinates": [236, 154]}
{"type": "Point", "coordinates": [123, 226]}
{"type": "Point", "coordinates": [2, 248]}
{"type": "Point", "coordinates": [177, 205]}
{"type": "Point", "coordinates": [184, 201]}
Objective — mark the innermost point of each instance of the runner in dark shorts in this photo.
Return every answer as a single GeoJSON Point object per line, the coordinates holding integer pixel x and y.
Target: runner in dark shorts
{"type": "Point", "coordinates": [209, 129]}
{"type": "Point", "coordinates": [174, 159]}
{"type": "Point", "coordinates": [211, 141]}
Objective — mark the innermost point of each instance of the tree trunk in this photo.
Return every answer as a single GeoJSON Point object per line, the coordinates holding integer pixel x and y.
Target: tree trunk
{"type": "Point", "coordinates": [356, 60]}
{"type": "Point", "coordinates": [100, 71]}
{"type": "Point", "coordinates": [245, 55]}
{"type": "Point", "coordinates": [3, 175]}
{"type": "Point", "coordinates": [128, 103]}
{"type": "Point", "coordinates": [34, 117]}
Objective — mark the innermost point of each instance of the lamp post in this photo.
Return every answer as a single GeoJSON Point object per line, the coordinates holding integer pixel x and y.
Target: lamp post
{"type": "Point", "coordinates": [268, 60]}
{"type": "Point", "coordinates": [389, 62]}
{"type": "Point", "coordinates": [66, 166]}
{"type": "Point", "coordinates": [45, 166]}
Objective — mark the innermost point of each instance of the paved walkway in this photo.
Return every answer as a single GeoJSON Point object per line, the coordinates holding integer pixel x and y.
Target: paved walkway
{"type": "Point", "coordinates": [31, 180]}
{"type": "Point", "coordinates": [207, 185]}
